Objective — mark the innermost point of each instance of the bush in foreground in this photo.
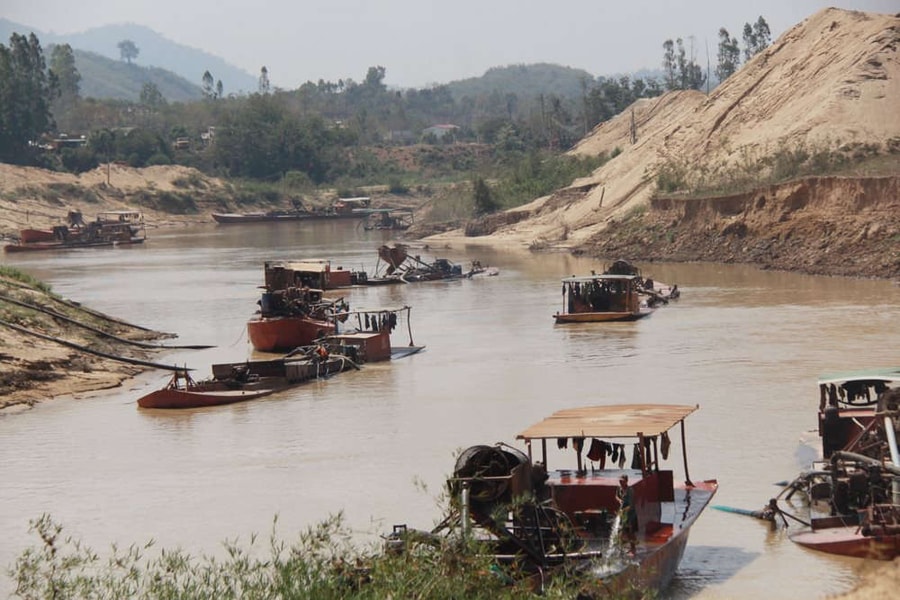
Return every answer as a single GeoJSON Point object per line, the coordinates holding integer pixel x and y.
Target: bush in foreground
{"type": "Point", "coordinates": [321, 564]}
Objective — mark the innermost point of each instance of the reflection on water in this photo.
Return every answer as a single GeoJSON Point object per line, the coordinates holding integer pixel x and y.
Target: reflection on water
{"type": "Point", "coordinates": [745, 345]}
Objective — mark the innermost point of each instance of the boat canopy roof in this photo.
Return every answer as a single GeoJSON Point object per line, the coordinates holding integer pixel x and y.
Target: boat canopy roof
{"type": "Point", "coordinates": [617, 421]}
{"type": "Point", "coordinates": [119, 214]}
{"type": "Point", "coordinates": [308, 265]}
{"type": "Point", "coordinates": [887, 374]}
{"type": "Point", "coordinates": [382, 309]}
{"type": "Point", "coordinates": [599, 276]}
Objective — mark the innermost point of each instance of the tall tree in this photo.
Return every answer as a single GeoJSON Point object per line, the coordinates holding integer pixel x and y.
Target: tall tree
{"type": "Point", "coordinates": [62, 64]}
{"type": "Point", "coordinates": [749, 42]}
{"type": "Point", "coordinates": [729, 55]}
{"type": "Point", "coordinates": [26, 91]}
{"type": "Point", "coordinates": [128, 50]}
{"type": "Point", "coordinates": [762, 33]}
{"type": "Point", "coordinates": [375, 79]}
{"type": "Point", "coordinates": [484, 201]}
{"type": "Point", "coordinates": [68, 79]}
{"type": "Point", "coordinates": [264, 85]}
{"type": "Point", "coordinates": [208, 86]}
{"type": "Point", "coordinates": [681, 62]}
{"type": "Point", "coordinates": [669, 64]}
{"type": "Point", "coordinates": [757, 38]}
{"type": "Point", "coordinates": [685, 74]}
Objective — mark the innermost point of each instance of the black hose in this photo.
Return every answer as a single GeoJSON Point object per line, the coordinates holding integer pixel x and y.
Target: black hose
{"type": "Point", "coordinates": [100, 332]}
{"type": "Point", "coordinates": [79, 347]}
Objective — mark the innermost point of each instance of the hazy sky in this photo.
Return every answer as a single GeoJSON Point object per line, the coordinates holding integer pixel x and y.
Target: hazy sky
{"type": "Point", "coordinates": [420, 42]}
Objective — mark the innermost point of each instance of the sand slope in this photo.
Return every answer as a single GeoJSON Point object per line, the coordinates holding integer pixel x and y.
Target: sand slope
{"type": "Point", "coordinates": [833, 79]}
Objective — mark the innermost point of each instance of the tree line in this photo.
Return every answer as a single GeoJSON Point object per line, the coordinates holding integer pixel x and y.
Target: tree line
{"type": "Point", "coordinates": [319, 129]}
{"type": "Point", "coordinates": [683, 72]}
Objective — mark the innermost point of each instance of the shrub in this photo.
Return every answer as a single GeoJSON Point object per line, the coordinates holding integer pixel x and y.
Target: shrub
{"type": "Point", "coordinates": [78, 160]}
{"type": "Point", "coordinates": [23, 277]}
{"type": "Point", "coordinates": [179, 204]}
{"type": "Point", "coordinates": [321, 564]}
{"type": "Point", "coordinates": [395, 186]}
{"type": "Point", "coordinates": [159, 159]}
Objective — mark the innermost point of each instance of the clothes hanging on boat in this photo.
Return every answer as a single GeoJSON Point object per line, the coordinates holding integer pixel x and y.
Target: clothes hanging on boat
{"type": "Point", "coordinates": [636, 457]}
{"type": "Point", "coordinates": [621, 456]}
{"type": "Point", "coordinates": [664, 445]}
{"type": "Point", "coordinates": [597, 452]}
{"type": "Point", "coordinates": [615, 453]}
{"type": "Point", "coordinates": [578, 444]}
{"type": "Point", "coordinates": [562, 443]}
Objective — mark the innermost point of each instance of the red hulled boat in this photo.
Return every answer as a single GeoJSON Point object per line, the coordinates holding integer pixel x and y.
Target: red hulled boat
{"type": "Point", "coordinates": [851, 496]}
{"type": "Point", "coordinates": [292, 317]}
{"type": "Point", "coordinates": [618, 532]}
{"type": "Point", "coordinates": [249, 380]}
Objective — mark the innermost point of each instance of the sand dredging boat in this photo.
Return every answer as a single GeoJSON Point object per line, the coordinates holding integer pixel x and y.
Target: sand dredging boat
{"type": "Point", "coordinates": [620, 520]}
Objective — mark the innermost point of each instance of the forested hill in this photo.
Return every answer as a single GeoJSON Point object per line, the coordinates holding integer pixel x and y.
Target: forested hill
{"type": "Point", "coordinates": [103, 77]}
{"type": "Point", "coordinates": [525, 81]}
{"type": "Point", "coordinates": [154, 50]}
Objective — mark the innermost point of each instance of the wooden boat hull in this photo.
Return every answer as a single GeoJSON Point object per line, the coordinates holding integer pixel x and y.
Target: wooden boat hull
{"type": "Point", "coordinates": [240, 382]}
{"type": "Point", "coordinates": [30, 236]}
{"type": "Point", "coordinates": [173, 398]}
{"type": "Point", "coordinates": [34, 246]}
{"type": "Point", "coordinates": [601, 317]}
{"type": "Point", "coordinates": [848, 541]}
{"type": "Point", "coordinates": [658, 553]}
{"type": "Point", "coordinates": [229, 218]}
{"type": "Point", "coordinates": [237, 218]}
{"type": "Point", "coordinates": [283, 334]}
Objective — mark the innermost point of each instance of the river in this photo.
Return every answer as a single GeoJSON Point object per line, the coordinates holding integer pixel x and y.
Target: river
{"type": "Point", "coordinates": [744, 344]}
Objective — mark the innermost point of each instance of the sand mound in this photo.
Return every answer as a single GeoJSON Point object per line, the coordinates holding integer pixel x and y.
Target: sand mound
{"type": "Point", "coordinates": [834, 79]}
{"type": "Point", "coordinates": [34, 197]}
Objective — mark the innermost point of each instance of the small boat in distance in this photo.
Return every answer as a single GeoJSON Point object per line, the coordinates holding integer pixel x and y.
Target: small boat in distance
{"type": "Point", "coordinates": [617, 294]}
{"type": "Point", "coordinates": [621, 522]}
{"type": "Point", "coordinates": [394, 219]}
{"type": "Point", "coordinates": [342, 208]}
{"type": "Point", "coordinates": [396, 265]}
{"type": "Point", "coordinates": [599, 298]}
{"type": "Point", "coordinates": [111, 228]}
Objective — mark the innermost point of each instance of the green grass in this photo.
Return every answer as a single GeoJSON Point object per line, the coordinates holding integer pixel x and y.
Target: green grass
{"type": "Point", "coordinates": [23, 277]}
{"type": "Point", "coordinates": [321, 564]}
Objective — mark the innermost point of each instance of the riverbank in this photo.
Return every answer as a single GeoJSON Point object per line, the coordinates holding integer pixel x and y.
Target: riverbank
{"type": "Point", "coordinates": [833, 226]}
{"type": "Point", "coordinates": [52, 347]}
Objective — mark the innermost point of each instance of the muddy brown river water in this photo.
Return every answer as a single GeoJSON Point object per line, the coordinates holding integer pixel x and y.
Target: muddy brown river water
{"type": "Point", "coordinates": [746, 345]}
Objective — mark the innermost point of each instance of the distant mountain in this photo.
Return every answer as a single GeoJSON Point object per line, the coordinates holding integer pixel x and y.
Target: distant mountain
{"type": "Point", "coordinates": [155, 50]}
{"type": "Point", "coordinates": [526, 81]}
